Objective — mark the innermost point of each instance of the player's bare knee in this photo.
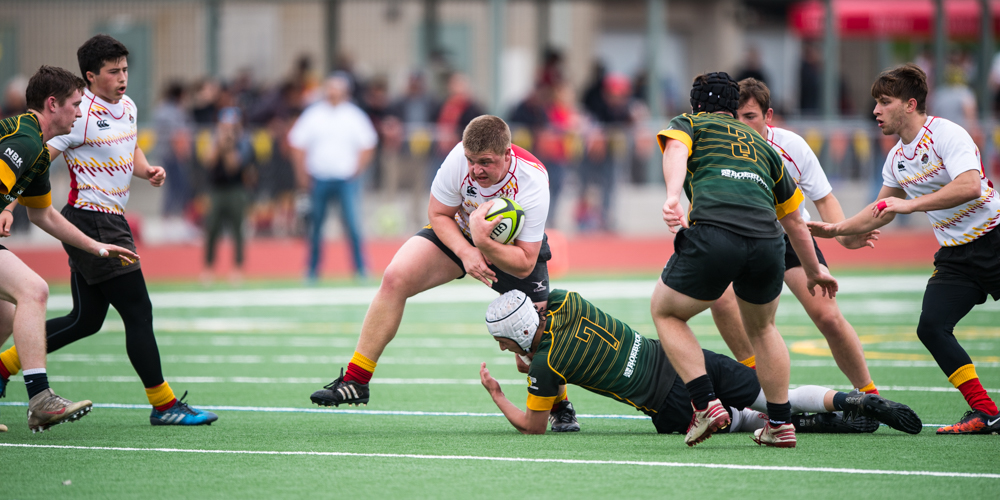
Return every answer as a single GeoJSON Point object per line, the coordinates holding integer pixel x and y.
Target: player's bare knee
{"type": "Point", "coordinates": [34, 291]}
{"type": "Point", "coordinates": [830, 323]}
{"type": "Point", "coordinates": [395, 284]}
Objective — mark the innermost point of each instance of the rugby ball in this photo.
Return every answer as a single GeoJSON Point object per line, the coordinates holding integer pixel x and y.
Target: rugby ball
{"type": "Point", "coordinates": [513, 220]}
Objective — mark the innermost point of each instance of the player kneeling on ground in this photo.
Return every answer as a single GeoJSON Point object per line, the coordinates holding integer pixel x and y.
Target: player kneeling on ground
{"type": "Point", "coordinates": [577, 343]}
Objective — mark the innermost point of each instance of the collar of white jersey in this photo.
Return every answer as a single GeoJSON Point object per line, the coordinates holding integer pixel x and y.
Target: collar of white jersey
{"type": "Point", "coordinates": [924, 130]}
{"type": "Point", "coordinates": [113, 108]}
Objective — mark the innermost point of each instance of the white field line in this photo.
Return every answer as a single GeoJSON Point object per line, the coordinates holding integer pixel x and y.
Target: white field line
{"type": "Point", "coordinates": [293, 359]}
{"type": "Point", "coordinates": [272, 409]}
{"type": "Point", "coordinates": [767, 468]}
{"type": "Point", "coordinates": [466, 293]}
{"type": "Point", "coordinates": [397, 381]}
{"type": "Point", "coordinates": [299, 359]}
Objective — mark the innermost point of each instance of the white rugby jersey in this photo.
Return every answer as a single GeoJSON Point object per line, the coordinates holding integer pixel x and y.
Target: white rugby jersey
{"type": "Point", "coordinates": [99, 152]}
{"type": "Point", "coordinates": [940, 152]}
{"type": "Point", "coordinates": [800, 163]}
{"type": "Point", "coordinates": [526, 182]}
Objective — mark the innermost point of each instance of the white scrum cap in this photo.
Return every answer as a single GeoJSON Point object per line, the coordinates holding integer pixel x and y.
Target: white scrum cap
{"type": "Point", "coordinates": [513, 316]}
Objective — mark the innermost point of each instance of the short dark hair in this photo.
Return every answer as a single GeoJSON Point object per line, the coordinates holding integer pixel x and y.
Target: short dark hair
{"type": "Point", "coordinates": [904, 82]}
{"type": "Point", "coordinates": [752, 88]}
{"type": "Point", "coordinates": [50, 81]}
{"type": "Point", "coordinates": [98, 50]}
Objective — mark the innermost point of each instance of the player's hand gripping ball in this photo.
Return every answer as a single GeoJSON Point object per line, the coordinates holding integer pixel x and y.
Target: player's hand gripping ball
{"type": "Point", "coordinates": [513, 220]}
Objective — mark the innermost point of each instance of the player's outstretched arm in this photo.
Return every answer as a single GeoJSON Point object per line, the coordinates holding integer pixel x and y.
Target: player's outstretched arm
{"type": "Point", "coordinates": [530, 422]}
{"type": "Point", "coordinates": [830, 211]}
{"type": "Point", "coordinates": [54, 223]}
{"type": "Point", "coordinates": [863, 222]}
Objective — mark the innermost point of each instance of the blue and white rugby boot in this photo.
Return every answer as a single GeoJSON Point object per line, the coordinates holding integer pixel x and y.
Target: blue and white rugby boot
{"type": "Point", "coordinates": [182, 414]}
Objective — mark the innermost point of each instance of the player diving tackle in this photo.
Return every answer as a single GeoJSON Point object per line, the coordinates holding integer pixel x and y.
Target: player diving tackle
{"type": "Point", "coordinates": [574, 342]}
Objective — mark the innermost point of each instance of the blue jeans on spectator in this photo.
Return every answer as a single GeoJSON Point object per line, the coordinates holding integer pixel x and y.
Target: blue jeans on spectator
{"type": "Point", "coordinates": [348, 192]}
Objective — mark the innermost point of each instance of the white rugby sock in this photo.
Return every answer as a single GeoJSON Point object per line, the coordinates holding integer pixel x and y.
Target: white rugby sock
{"type": "Point", "coordinates": [808, 398]}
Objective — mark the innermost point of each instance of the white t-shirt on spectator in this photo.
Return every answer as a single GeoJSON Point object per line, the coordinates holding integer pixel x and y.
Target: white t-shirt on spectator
{"type": "Point", "coordinates": [940, 152]}
{"type": "Point", "coordinates": [526, 182]}
{"type": "Point", "coordinates": [332, 137]}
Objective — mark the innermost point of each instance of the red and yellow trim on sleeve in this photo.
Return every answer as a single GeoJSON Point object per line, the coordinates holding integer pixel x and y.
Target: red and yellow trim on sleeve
{"type": "Point", "coordinates": [790, 205]}
{"type": "Point", "coordinates": [42, 201]}
{"type": "Point", "coordinates": [963, 375]}
{"type": "Point", "coordinates": [538, 403]}
{"type": "Point", "coordinates": [680, 135]}
{"type": "Point", "coordinates": [7, 177]}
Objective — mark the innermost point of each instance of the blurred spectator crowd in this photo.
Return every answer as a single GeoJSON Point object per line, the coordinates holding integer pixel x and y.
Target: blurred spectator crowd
{"type": "Point", "coordinates": [591, 139]}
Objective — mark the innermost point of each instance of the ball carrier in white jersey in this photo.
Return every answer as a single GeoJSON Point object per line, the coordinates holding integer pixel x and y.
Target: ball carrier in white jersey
{"type": "Point", "coordinates": [478, 170]}
{"type": "Point", "coordinates": [935, 168]}
{"type": "Point", "coordinates": [102, 156]}
{"type": "Point", "coordinates": [802, 165]}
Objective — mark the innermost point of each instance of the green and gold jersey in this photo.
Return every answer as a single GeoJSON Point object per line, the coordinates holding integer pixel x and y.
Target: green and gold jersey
{"type": "Point", "coordinates": [734, 178]}
{"type": "Point", "coordinates": [24, 163]}
{"type": "Point", "coordinates": [585, 346]}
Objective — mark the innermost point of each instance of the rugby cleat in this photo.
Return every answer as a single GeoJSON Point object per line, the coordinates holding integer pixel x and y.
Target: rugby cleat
{"type": "Point", "coordinates": [182, 414]}
{"type": "Point", "coordinates": [340, 391]}
{"type": "Point", "coordinates": [704, 422]}
{"type": "Point", "coordinates": [47, 409]}
{"type": "Point", "coordinates": [781, 436]}
{"type": "Point", "coordinates": [895, 415]}
{"type": "Point", "coordinates": [563, 418]}
{"type": "Point", "coordinates": [974, 422]}
{"type": "Point", "coordinates": [833, 423]}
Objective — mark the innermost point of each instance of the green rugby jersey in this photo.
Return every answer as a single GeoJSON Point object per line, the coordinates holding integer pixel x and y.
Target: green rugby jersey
{"type": "Point", "coordinates": [584, 346]}
{"type": "Point", "coordinates": [24, 162]}
{"type": "Point", "coordinates": [734, 178]}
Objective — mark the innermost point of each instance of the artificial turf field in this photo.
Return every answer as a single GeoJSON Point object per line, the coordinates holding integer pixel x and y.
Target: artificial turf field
{"type": "Point", "coordinates": [253, 355]}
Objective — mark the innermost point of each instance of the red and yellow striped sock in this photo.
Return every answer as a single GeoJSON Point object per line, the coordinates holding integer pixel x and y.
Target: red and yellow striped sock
{"type": "Point", "coordinates": [161, 397]}
{"type": "Point", "coordinates": [967, 382]}
{"type": "Point", "coordinates": [870, 388]}
{"type": "Point", "coordinates": [10, 364]}
{"type": "Point", "coordinates": [562, 397]}
{"type": "Point", "coordinates": [360, 369]}
{"type": "Point", "coordinates": [750, 362]}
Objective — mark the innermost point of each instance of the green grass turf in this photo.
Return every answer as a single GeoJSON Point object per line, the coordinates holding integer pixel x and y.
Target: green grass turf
{"type": "Point", "coordinates": [288, 352]}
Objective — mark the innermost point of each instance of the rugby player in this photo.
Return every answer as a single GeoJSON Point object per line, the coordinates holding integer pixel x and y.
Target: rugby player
{"type": "Point", "coordinates": [102, 156]}
{"type": "Point", "coordinates": [935, 167]}
{"type": "Point", "coordinates": [802, 165]}
{"type": "Point", "coordinates": [578, 343]}
{"type": "Point", "coordinates": [53, 98]}
{"type": "Point", "coordinates": [732, 234]}
{"type": "Point", "coordinates": [478, 170]}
